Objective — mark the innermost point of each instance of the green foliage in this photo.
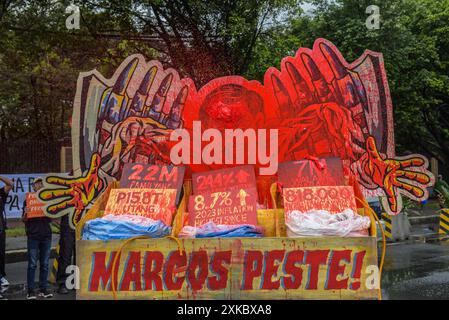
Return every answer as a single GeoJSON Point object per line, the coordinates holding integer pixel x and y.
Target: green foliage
{"type": "Point", "coordinates": [40, 58]}
{"type": "Point", "coordinates": [16, 232]}
{"type": "Point", "coordinates": [442, 190]}
{"type": "Point", "coordinates": [414, 39]}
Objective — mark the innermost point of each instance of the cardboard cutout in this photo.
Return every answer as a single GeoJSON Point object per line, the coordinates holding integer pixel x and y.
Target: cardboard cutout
{"type": "Point", "coordinates": [321, 105]}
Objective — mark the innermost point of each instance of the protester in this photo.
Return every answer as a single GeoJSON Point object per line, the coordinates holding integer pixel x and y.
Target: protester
{"type": "Point", "coordinates": [3, 195]}
{"type": "Point", "coordinates": [39, 234]}
{"type": "Point", "coordinates": [66, 253]}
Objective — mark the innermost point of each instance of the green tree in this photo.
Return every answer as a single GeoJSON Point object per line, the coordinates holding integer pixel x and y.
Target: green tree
{"type": "Point", "coordinates": [40, 59]}
{"type": "Point", "coordinates": [414, 39]}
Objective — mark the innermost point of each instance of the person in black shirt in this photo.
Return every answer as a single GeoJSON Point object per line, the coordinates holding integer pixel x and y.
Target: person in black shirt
{"type": "Point", "coordinates": [39, 233]}
{"type": "Point", "coordinates": [3, 195]}
{"type": "Point", "coordinates": [66, 253]}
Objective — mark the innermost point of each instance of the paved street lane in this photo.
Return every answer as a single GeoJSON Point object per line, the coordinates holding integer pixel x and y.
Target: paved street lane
{"type": "Point", "coordinates": [416, 271]}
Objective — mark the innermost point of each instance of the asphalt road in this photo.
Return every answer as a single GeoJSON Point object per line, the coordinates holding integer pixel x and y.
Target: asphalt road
{"type": "Point", "coordinates": [412, 271]}
{"type": "Point", "coordinates": [416, 271]}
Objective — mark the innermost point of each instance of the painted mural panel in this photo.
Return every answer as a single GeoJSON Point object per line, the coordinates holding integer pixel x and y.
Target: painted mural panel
{"type": "Point", "coordinates": [321, 105]}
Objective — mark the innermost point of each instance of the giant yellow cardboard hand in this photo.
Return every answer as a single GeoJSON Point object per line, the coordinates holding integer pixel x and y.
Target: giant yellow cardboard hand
{"type": "Point", "coordinates": [395, 176]}
{"type": "Point", "coordinates": [73, 194]}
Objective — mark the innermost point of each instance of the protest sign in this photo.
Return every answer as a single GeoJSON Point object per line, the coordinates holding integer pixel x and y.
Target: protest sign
{"type": "Point", "coordinates": [22, 183]}
{"type": "Point", "coordinates": [269, 268]}
{"type": "Point", "coordinates": [308, 173]}
{"type": "Point", "coordinates": [224, 207]}
{"type": "Point", "coordinates": [34, 208]}
{"type": "Point", "coordinates": [157, 204]}
{"type": "Point", "coordinates": [224, 179]}
{"type": "Point", "coordinates": [152, 176]}
{"type": "Point", "coordinates": [334, 199]}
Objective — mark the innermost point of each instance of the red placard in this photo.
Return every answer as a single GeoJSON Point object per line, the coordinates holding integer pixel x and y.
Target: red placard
{"type": "Point", "coordinates": [152, 176]}
{"type": "Point", "coordinates": [334, 199]}
{"type": "Point", "coordinates": [34, 208]}
{"type": "Point", "coordinates": [157, 204]}
{"type": "Point", "coordinates": [236, 206]}
{"type": "Point", "coordinates": [309, 173]}
{"type": "Point", "coordinates": [224, 179]}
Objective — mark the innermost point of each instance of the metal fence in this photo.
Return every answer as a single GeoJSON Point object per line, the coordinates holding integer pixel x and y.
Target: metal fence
{"type": "Point", "coordinates": [30, 156]}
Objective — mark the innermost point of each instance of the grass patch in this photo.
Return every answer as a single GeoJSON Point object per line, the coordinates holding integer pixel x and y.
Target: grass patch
{"type": "Point", "coordinates": [54, 229]}
{"type": "Point", "coordinates": [15, 232]}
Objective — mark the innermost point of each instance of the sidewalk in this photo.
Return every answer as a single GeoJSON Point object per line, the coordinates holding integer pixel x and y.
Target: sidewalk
{"type": "Point", "coordinates": [427, 213]}
{"type": "Point", "coordinates": [16, 268]}
{"type": "Point", "coordinates": [16, 248]}
{"type": "Point", "coordinates": [16, 274]}
{"type": "Point", "coordinates": [20, 243]}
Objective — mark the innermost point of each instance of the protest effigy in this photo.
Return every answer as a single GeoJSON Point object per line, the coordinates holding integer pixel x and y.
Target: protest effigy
{"type": "Point", "coordinates": [238, 189]}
